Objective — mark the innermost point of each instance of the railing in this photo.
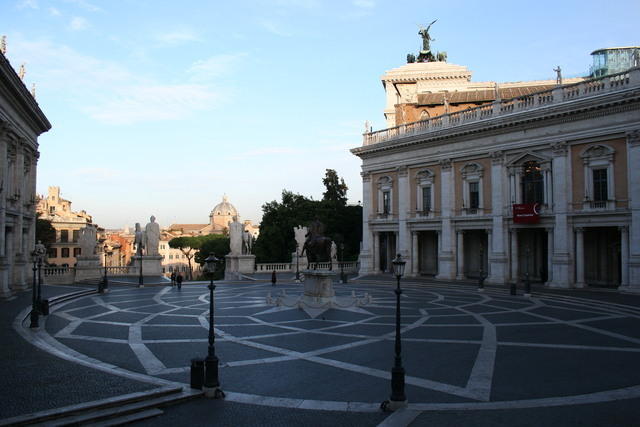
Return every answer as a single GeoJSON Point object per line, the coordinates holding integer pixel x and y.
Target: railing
{"type": "Point", "coordinates": [586, 88]}
{"type": "Point", "coordinates": [289, 267]}
{"type": "Point", "coordinates": [122, 270]}
{"type": "Point", "coordinates": [56, 271]}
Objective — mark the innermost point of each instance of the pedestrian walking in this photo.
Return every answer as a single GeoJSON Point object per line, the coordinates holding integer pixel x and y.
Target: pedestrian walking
{"type": "Point", "coordinates": [179, 280]}
{"type": "Point", "coordinates": [273, 278]}
{"type": "Point", "coordinates": [173, 278]}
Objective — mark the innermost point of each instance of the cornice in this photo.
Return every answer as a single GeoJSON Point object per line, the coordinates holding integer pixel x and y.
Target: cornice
{"type": "Point", "coordinates": [556, 114]}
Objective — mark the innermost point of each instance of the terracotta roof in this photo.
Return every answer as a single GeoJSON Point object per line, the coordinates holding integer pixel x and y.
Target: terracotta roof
{"type": "Point", "coordinates": [186, 226]}
{"type": "Point", "coordinates": [483, 95]}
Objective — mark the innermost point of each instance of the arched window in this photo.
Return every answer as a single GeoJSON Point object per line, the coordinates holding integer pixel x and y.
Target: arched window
{"type": "Point", "coordinates": [532, 183]}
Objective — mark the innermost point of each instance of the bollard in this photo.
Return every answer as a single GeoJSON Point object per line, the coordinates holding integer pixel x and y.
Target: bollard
{"type": "Point", "coordinates": [513, 288]}
{"type": "Point", "coordinates": [197, 373]}
{"type": "Point", "coordinates": [44, 307]}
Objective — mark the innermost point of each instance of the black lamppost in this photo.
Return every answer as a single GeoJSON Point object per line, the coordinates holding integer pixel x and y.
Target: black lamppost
{"type": "Point", "coordinates": [343, 277]}
{"type": "Point", "coordinates": [35, 306]}
{"type": "Point", "coordinates": [140, 282]}
{"type": "Point", "coordinates": [211, 381]}
{"type": "Point", "coordinates": [481, 278]}
{"type": "Point", "coordinates": [297, 263]}
{"type": "Point", "coordinates": [527, 281]}
{"type": "Point", "coordinates": [105, 284]}
{"type": "Point", "coordinates": [398, 399]}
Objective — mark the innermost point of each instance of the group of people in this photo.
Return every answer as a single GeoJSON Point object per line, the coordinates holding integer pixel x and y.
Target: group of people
{"type": "Point", "coordinates": [176, 279]}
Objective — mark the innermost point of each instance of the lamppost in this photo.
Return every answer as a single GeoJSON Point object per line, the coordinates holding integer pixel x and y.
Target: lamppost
{"type": "Point", "coordinates": [35, 307]}
{"type": "Point", "coordinates": [211, 381]}
{"type": "Point", "coordinates": [343, 277]}
{"type": "Point", "coordinates": [481, 279]}
{"type": "Point", "coordinates": [297, 263]}
{"type": "Point", "coordinates": [398, 399]}
{"type": "Point", "coordinates": [527, 281]}
{"type": "Point", "coordinates": [105, 285]}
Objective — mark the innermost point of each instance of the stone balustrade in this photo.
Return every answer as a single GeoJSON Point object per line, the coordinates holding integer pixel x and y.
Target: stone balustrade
{"type": "Point", "coordinates": [126, 270]}
{"type": "Point", "coordinates": [288, 267]}
{"type": "Point", "coordinates": [587, 88]}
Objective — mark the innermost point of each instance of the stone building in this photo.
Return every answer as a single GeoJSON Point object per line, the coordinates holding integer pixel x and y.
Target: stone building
{"type": "Point", "coordinates": [21, 122]}
{"type": "Point", "coordinates": [67, 223]}
{"type": "Point", "coordinates": [543, 183]}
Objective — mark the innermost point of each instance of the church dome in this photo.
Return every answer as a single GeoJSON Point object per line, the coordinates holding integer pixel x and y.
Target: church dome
{"type": "Point", "coordinates": [224, 209]}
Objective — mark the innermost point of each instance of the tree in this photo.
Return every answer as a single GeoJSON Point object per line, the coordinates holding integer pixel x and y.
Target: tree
{"type": "Point", "coordinates": [188, 246]}
{"type": "Point", "coordinates": [45, 231]}
{"type": "Point", "coordinates": [336, 189]}
{"type": "Point", "coordinates": [216, 244]}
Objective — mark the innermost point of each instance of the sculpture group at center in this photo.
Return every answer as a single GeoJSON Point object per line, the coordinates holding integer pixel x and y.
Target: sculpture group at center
{"type": "Point", "coordinates": [317, 246]}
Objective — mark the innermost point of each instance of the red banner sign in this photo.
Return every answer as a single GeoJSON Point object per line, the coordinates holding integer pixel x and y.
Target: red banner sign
{"type": "Point", "coordinates": [526, 213]}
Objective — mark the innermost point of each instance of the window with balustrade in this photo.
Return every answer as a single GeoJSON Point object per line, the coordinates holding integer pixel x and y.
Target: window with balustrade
{"type": "Point", "coordinates": [599, 188]}
{"type": "Point", "coordinates": [385, 196]}
{"type": "Point", "coordinates": [472, 197]}
{"type": "Point", "coordinates": [425, 181]}
{"type": "Point", "coordinates": [532, 183]}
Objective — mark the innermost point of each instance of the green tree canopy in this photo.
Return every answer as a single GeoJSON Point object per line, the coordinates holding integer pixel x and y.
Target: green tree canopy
{"type": "Point", "coordinates": [216, 244]}
{"type": "Point", "coordinates": [336, 189]}
{"type": "Point", "coordinates": [188, 246]}
{"type": "Point", "coordinates": [343, 223]}
{"type": "Point", "coordinates": [45, 232]}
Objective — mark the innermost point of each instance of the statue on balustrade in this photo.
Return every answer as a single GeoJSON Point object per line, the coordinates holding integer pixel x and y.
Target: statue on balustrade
{"type": "Point", "coordinates": [236, 229]}
{"type": "Point", "coordinates": [138, 240]}
{"type": "Point", "coordinates": [151, 237]}
{"type": "Point", "coordinates": [317, 246]}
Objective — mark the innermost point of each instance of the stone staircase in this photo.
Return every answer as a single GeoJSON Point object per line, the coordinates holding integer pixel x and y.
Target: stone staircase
{"type": "Point", "coordinates": [113, 411]}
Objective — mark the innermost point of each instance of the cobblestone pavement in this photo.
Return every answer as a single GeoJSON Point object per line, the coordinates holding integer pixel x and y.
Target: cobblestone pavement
{"type": "Point", "coordinates": [486, 353]}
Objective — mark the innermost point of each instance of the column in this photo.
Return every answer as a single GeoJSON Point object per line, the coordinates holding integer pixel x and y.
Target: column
{"type": "Point", "coordinates": [497, 257]}
{"type": "Point", "coordinates": [633, 160]}
{"type": "Point", "coordinates": [549, 255]}
{"type": "Point", "coordinates": [560, 261]}
{"type": "Point", "coordinates": [446, 260]}
{"type": "Point", "coordinates": [514, 255]}
{"type": "Point", "coordinates": [19, 273]}
{"type": "Point", "coordinates": [624, 255]}
{"type": "Point", "coordinates": [415, 255]}
{"type": "Point", "coordinates": [460, 254]}
{"type": "Point", "coordinates": [487, 269]}
{"type": "Point", "coordinates": [403, 241]}
{"type": "Point", "coordinates": [376, 252]}
{"type": "Point", "coordinates": [579, 257]}
{"type": "Point", "coordinates": [366, 258]}
{"type": "Point", "coordinates": [4, 166]}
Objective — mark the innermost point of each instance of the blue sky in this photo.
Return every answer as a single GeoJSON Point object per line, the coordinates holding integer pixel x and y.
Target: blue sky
{"type": "Point", "coordinates": [161, 107]}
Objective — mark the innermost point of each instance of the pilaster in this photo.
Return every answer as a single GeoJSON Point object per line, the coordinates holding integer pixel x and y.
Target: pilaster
{"type": "Point", "coordinates": [446, 260]}
{"type": "Point", "coordinates": [497, 256]}
{"type": "Point", "coordinates": [561, 193]}
{"type": "Point", "coordinates": [366, 259]}
{"type": "Point", "coordinates": [403, 242]}
{"type": "Point", "coordinates": [633, 156]}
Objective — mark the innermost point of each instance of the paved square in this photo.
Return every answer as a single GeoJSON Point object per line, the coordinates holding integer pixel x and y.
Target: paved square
{"type": "Point", "coordinates": [462, 349]}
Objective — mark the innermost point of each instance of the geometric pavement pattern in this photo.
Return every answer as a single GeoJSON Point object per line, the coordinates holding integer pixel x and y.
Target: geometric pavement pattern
{"type": "Point", "coordinates": [461, 349]}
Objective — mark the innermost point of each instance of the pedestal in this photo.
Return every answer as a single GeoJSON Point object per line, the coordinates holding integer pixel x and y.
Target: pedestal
{"type": "Point", "coordinates": [318, 286]}
{"type": "Point", "coordinates": [151, 264]}
{"type": "Point", "coordinates": [88, 267]}
{"type": "Point", "coordinates": [237, 265]}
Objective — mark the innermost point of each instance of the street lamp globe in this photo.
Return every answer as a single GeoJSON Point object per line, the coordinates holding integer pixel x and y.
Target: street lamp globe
{"type": "Point", "coordinates": [398, 266]}
{"type": "Point", "coordinates": [210, 263]}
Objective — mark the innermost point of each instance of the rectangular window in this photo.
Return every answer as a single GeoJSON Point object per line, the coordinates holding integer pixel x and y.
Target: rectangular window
{"type": "Point", "coordinates": [600, 187]}
{"type": "Point", "coordinates": [77, 252]}
{"type": "Point", "coordinates": [53, 253]}
{"type": "Point", "coordinates": [76, 234]}
{"type": "Point", "coordinates": [64, 253]}
{"type": "Point", "coordinates": [474, 195]}
{"type": "Point", "coordinates": [64, 236]}
{"type": "Point", "coordinates": [426, 198]}
{"type": "Point", "coordinates": [386, 202]}
{"type": "Point", "coordinates": [170, 256]}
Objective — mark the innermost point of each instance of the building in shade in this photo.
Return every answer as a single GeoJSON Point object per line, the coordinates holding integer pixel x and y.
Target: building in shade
{"type": "Point", "coordinates": [536, 179]}
{"type": "Point", "coordinates": [67, 223]}
{"type": "Point", "coordinates": [21, 122]}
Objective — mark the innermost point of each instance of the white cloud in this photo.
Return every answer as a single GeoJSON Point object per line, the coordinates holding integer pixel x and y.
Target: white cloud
{"type": "Point", "coordinates": [177, 37]}
{"type": "Point", "coordinates": [214, 67]}
{"type": "Point", "coordinates": [78, 23]}
{"type": "Point", "coordinates": [31, 4]}
{"type": "Point", "coordinates": [273, 28]}
{"type": "Point", "coordinates": [85, 5]}
{"type": "Point", "coordinates": [54, 12]}
{"type": "Point", "coordinates": [150, 103]}
{"type": "Point", "coordinates": [365, 4]}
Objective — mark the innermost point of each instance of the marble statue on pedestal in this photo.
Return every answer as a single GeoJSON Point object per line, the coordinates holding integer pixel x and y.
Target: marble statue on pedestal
{"type": "Point", "coordinates": [334, 252]}
{"type": "Point", "coordinates": [87, 241]}
{"type": "Point", "coordinates": [138, 240]}
{"type": "Point", "coordinates": [236, 229]}
{"type": "Point", "coordinates": [151, 237]}
{"type": "Point", "coordinates": [300, 234]}
{"type": "Point", "coordinates": [247, 242]}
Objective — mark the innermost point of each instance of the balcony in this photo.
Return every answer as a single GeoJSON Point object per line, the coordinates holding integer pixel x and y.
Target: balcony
{"type": "Point", "coordinates": [585, 89]}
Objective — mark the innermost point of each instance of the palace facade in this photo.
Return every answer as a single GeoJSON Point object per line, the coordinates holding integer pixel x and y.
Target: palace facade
{"type": "Point", "coordinates": [539, 179]}
{"type": "Point", "coordinates": [21, 122]}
